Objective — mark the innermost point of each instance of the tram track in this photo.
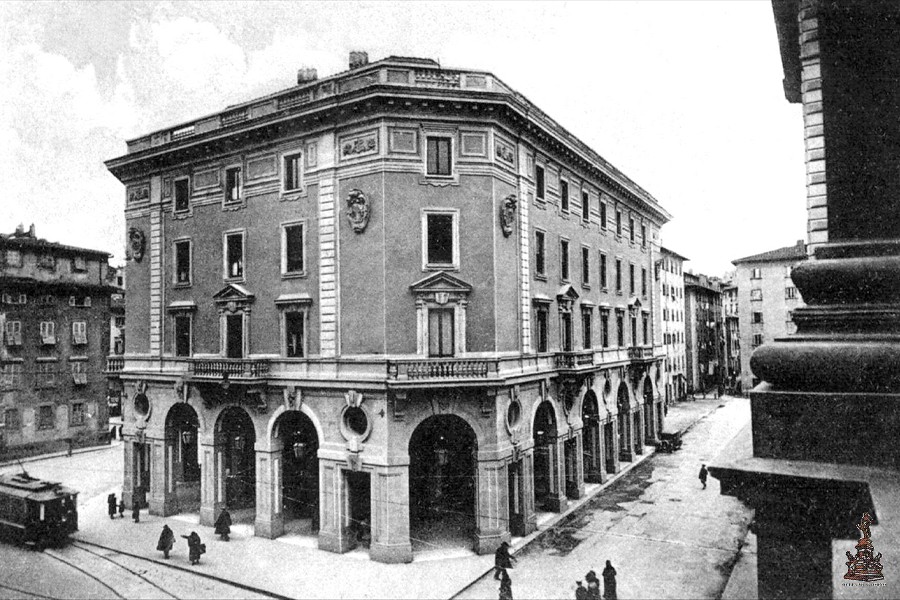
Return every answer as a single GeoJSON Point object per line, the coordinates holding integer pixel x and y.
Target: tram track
{"type": "Point", "coordinates": [25, 592]}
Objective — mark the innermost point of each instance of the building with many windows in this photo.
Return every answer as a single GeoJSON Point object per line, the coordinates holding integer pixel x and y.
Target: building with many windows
{"type": "Point", "coordinates": [670, 279]}
{"type": "Point", "coordinates": [731, 320]}
{"type": "Point", "coordinates": [392, 301]}
{"type": "Point", "coordinates": [704, 332]}
{"type": "Point", "coordinates": [54, 319]}
{"type": "Point", "coordinates": [767, 299]}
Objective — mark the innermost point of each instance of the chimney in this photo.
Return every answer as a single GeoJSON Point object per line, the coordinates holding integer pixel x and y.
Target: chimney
{"type": "Point", "coordinates": [358, 59]}
{"type": "Point", "coordinates": [800, 244]}
{"type": "Point", "coordinates": [306, 75]}
{"type": "Point", "coordinates": [31, 231]}
{"type": "Point", "coordinates": [20, 230]}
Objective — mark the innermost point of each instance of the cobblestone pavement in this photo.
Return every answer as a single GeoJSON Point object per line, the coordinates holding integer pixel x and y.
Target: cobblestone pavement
{"type": "Point", "coordinates": [666, 536]}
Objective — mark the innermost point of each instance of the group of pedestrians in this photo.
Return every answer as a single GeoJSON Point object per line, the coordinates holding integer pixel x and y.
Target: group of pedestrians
{"type": "Point", "coordinates": [592, 591]}
{"type": "Point", "coordinates": [167, 542]}
{"type": "Point", "coordinates": [113, 506]}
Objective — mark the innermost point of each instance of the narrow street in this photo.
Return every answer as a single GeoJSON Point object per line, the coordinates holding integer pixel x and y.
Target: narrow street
{"type": "Point", "coordinates": [666, 536]}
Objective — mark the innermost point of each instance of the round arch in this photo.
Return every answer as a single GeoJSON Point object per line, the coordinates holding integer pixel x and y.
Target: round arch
{"type": "Point", "coordinates": [306, 410]}
{"type": "Point", "coordinates": [182, 432]}
{"type": "Point", "coordinates": [235, 435]}
{"type": "Point", "coordinates": [591, 438]}
{"type": "Point", "coordinates": [296, 435]}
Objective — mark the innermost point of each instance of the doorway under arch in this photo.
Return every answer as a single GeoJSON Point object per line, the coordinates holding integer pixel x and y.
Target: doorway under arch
{"type": "Point", "coordinates": [591, 438]}
{"type": "Point", "coordinates": [299, 471]}
{"type": "Point", "coordinates": [650, 417]}
{"type": "Point", "coordinates": [443, 470]}
{"type": "Point", "coordinates": [235, 438]}
{"type": "Point", "coordinates": [546, 462]}
{"type": "Point", "coordinates": [182, 426]}
{"type": "Point", "coordinates": [624, 422]}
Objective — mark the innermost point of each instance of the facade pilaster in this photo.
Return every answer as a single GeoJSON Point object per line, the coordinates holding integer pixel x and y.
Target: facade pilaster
{"type": "Point", "coordinates": [329, 277]}
{"type": "Point", "coordinates": [128, 481]}
{"type": "Point", "coordinates": [525, 193]}
{"type": "Point", "coordinates": [335, 527]}
{"type": "Point", "coordinates": [390, 515]}
{"type": "Point", "coordinates": [269, 522]}
{"type": "Point", "coordinates": [813, 127]}
{"type": "Point", "coordinates": [212, 481]}
{"type": "Point", "coordinates": [157, 256]}
{"type": "Point", "coordinates": [491, 506]}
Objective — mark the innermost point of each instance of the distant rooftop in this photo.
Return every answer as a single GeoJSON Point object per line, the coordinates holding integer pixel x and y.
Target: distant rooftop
{"type": "Point", "coordinates": [788, 253]}
{"type": "Point", "coordinates": [665, 250]}
{"type": "Point", "coordinates": [21, 238]}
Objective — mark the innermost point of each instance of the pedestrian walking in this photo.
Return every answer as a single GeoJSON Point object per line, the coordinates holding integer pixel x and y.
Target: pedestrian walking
{"type": "Point", "coordinates": [223, 525]}
{"type": "Point", "coordinates": [581, 592]}
{"type": "Point", "coordinates": [135, 511]}
{"type": "Point", "coordinates": [166, 541]}
{"type": "Point", "coordinates": [505, 587]}
{"type": "Point", "coordinates": [502, 560]}
{"type": "Point", "coordinates": [593, 585]}
{"type": "Point", "coordinates": [195, 547]}
{"type": "Point", "coordinates": [70, 443]}
{"type": "Point", "coordinates": [111, 505]}
{"type": "Point", "coordinates": [121, 509]}
{"type": "Point", "coordinates": [703, 475]}
{"type": "Point", "coordinates": [609, 582]}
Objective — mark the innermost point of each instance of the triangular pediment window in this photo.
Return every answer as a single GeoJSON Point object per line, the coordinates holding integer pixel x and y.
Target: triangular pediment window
{"type": "Point", "coordinates": [440, 282]}
{"type": "Point", "coordinates": [233, 296]}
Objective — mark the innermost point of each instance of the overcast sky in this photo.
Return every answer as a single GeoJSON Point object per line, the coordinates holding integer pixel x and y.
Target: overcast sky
{"type": "Point", "coordinates": [683, 97]}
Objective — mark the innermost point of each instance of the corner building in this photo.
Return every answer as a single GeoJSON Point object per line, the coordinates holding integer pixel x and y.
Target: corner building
{"type": "Point", "coordinates": [400, 302]}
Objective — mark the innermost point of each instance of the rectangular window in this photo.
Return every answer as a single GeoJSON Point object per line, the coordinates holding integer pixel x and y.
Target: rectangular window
{"type": "Point", "coordinates": [618, 276]}
{"type": "Point", "coordinates": [631, 229]}
{"type": "Point", "coordinates": [756, 294]}
{"type": "Point", "coordinates": [644, 282]}
{"type": "Point", "coordinates": [756, 273]}
{"type": "Point", "coordinates": [645, 319]}
{"type": "Point", "coordinates": [182, 194]}
{"type": "Point", "coordinates": [46, 417]}
{"type": "Point", "coordinates": [586, 266]}
{"type": "Point", "coordinates": [757, 339]}
{"type": "Point", "coordinates": [292, 165]}
{"type": "Point", "coordinates": [48, 332]}
{"type": "Point", "coordinates": [539, 182]}
{"type": "Point", "coordinates": [183, 335]}
{"type": "Point", "coordinates": [564, 259]}
{"type": "Point", "coordinates": [585, 207]}
{"type": "Point", "coordinates": [13, 333]}
{"type": "Point", "coordinates": [11, 375]}
{"type": "Point", "coordinates": [790, 293]}
{"type": "Point", "coordinates": [76, 417]}
{"type": "Point", "coordinates": [619, 223]}
{"type": "Point", "coordinates": [183, 262]}
{"type": "Point", "coordinates": [438, 156]}
{"type": "Point", "coordinates": [79, 333]}
{"type": "Point", "coordinates": [440, 242]}
{"type": "Point", "coordinates": [234, 255]}
{"type": "Point", "coordinates": [539, 253]}
{"type": "Point", "coordinates": [80, 301]}
{"type": "Point", "coordinates": [602, 270]}
{"type": "Point", "coordinates": [13, 258]}
{"type": "Point", "coordinates": [620, 328]}
{"type": "Point", "coordinates": [46, 373]}
{"type": "Point", "coordinates": [294, 327]}
{"type": "Point", "coordinates": [564, 196]}
{"type": "Point", "coordinates": [643, 236]}
{"type": "Point", "coordinates": [631, 283]}
{"type": "Point", "coordinates": [634, 330]}
{"type": "Point", "coordinates": [79, 372]}
{"type": "Point", "coordinates": [234, 336]}
{"type": "Point", "coordinates": [541, 324]}
{"type": "Point", "coordinates": [586, 329]}
{"type": "Point", "coordinates": [11, 419]}
{"type": "Point", "coordinates": [440, 331]}
{"type": "Point", "coordinates": [292, 249]}
{"type": "Point", "coordinates": [603, 216]}
{"type": "Point", "coordinates": [757, 317]}
{"type": "Point", "coordinates": [233, 184]}
{"type": "Point", "coordinates": [604, 328]}
{"type": "Point", "coordinates": [79, 264]}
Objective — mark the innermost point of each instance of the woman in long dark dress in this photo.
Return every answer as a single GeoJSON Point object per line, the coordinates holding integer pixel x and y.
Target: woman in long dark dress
{"type": "Point", "coordinates": [223, 525]}
{"type": "Point", "coordinates": [609, 582]}
{"type": "Point", "coordinates": [195, 548]}
{"type": "Point", "coordinates": [166, 541]}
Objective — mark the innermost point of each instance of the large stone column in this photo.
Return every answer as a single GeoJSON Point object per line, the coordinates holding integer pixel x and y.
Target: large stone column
{"type": "Point", "coordinates": [556, 499]}
{"type": "Point", "coordinates": [491, 505]}
{"type": "Point", "coordinates": [390, 515]}
{"type": "Point", "coordinates": [163, 498]}
{"type": "Point", "coordinates": [130, 474]}
{"type": "Point", "coordinates": [335, 530]}
{"type": "Point", "coordinates": [269, 521]}
{"type": "Point", "coordinates": [212, 480]}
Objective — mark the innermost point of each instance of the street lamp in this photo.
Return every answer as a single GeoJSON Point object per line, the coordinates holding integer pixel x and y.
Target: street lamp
{"type": "Point", "coordinates": [187, 436]}
{"type": "Point", "coordinates": [239, 443]}
{"type": "Point", "coordinates": [299, 450]}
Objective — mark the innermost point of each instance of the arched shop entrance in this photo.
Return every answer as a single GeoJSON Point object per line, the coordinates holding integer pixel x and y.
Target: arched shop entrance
{"type": "Point", "coordinates": [547, 496]}
{"type": "Point", "coordinates": [299, 471]}
{"type": "Point", "coordinates": [624, 422]}
{"type": "Point", "coordinates": [443, 452]}
{"type": "Point", "coordinates": [650, 417]}
{"type": "Point", "coordinates": [235, 439]}
{"type": "Point", "coordinates": [593, 447]}
{"type": "Point", "coordinates": [182, 426]}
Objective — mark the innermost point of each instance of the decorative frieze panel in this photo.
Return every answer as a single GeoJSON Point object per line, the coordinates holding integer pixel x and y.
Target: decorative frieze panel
{"type": "Point", "coordinates": [403, 141]}
{"type": "Point", "coordinates": [206, 179]}
{"type": "Point", "coordinates": [397, 76]}
{"type": "Point", "coordinates": [358, 82]}
{"type": "Point", "coordinates": [264, 166]}
{"type": "Point", "coordinates": [473, 143]}
{"type": "Point", "coordinates": [138, 194]}
{"type": "Point", "coordinates": [359, 145]}
{"type": "Point", "coordinates": [504, 152]}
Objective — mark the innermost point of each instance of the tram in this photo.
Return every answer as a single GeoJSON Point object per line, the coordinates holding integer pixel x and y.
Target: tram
{"type": "Point", "coordinates": [35, 512]}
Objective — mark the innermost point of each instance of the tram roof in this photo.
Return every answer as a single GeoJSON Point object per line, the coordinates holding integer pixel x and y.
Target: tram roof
{"type": "Point", "coordinates": [21, 485]}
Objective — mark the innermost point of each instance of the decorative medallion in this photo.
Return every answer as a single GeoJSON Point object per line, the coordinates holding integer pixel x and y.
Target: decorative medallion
{"type": "Point", "coordinates": [136, 244]}
{"type": "Point", "coordinates": [508, 214]}
{"type": "Point", "coordinates": [358, 210]}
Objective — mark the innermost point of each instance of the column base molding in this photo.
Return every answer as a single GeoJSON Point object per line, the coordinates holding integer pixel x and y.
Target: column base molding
{"type": "Point", "coordinates": [391, 553]}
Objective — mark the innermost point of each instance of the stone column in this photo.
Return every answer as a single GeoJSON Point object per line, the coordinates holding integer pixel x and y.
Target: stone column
{"type": "Point", "coordinates": [269, 521]}
{"type": "Point", "coordinates": [334, 508]}
{"type": "Point", "coordinates": [638, 433]}
{"type": "Point", "coordinates": [527, 489]}
{"type": "Point", "coordinates": [491, 506]}
{"type": "Point", "coordinates": [212, 480]}
{"type": "Point", "coordinates": [573, 475]}
{"type": "Point", "coordinates": [556, 500]}
{"type": "Point", "coordinates": [130, 474]}
{"type": "Point", "coordinates": [390, 515]}
{"type": "Point", "coordinates": [162, 488]}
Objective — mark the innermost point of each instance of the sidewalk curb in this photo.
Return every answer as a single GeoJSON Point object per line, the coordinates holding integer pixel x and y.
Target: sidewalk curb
{"type": "Point", "coordinates": [651, 450]}
{"type": "Point", "coordinates": [61, 454]}
{"type": "Point", "coordinates": [236, 584]}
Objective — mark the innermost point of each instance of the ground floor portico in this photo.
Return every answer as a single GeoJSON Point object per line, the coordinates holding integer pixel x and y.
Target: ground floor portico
{"type": "Point", "coordinates": [398, 469]}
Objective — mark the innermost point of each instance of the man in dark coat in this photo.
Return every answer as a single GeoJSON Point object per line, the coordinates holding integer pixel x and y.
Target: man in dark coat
{"type": "Point", "coordinates": [223, 525]}
{"type": "Point", "coordinates": [121, 509]}
{"type": "Point", "coordinates": [703, 474]}
{"type": "Point", "coordinates": [506, 587]}
{"type": "Point", "coordinates": [111, 505]}
{"type": "Point", "coordinates": [581, 592]}
{"type": "Point", "coordinates": [593, 585]}
{"type": "Point", "coordinates": [135, 511]}
{"type": "Point", "coordinates": [195, 548]}
{"type": "Point", "coordinates": [166, 541]}
{"type": "Point", "coordinates": [503, 560]}
{"type": "Point", "coordinates": [609, 582]}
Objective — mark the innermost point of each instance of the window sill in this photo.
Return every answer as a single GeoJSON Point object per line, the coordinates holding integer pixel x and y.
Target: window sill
{"type": "Point", "coordinates": [439, 180]}
{"type": "Point", "coordinates": [440, 267]}
{"type": "Point", "coordinates": [182, 285]}
{"type": "Point", "coordinates": [293, 195]}
{"type": "Point", "coordinates": [239, 279]}
{"type": "Point", "coordinates": [586, 286]}
{"type": "Point", "coordinates": [295, 275]}
{"type": "Point", "coordinates": [540, 277]}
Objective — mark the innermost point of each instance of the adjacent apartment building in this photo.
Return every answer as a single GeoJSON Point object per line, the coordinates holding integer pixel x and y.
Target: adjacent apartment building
{"type": "Point", "coordinates": [54, 316]}
{"type": "Point", "coordinates": [766, 300]}
{"type": "Point", "coordinates": [704, 332]}
{"type": "Point", "coordinates": [395, 297]}
{"type": "Point", "coordinates": [670, 279]}
{"type": "Point", "coordinates": [732, 356]}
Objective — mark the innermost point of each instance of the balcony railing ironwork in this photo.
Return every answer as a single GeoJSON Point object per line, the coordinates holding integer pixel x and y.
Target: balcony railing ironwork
{"type": "Point", "coordinates": [234, 367]}
{"type": "Point", "coordinates": [640, 352]}
{"type": "Point", "coordinates": [442, 368]}
{"type": "Point", "coordinates": [115, 364]}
